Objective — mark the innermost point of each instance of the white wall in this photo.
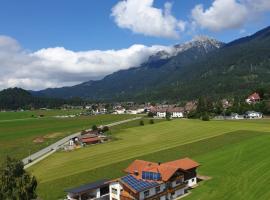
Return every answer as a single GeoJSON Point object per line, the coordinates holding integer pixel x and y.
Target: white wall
{"type": "Point", "coordinates": [118, 187]}
{"type": "Point", "coordinates": [191, 182]}
{"type": "Point", "coordinates": [161, 114]}
{"type": "Point", "coordinates": [177, 115]}
{"type": "Point", "coordinates": [152, 191]}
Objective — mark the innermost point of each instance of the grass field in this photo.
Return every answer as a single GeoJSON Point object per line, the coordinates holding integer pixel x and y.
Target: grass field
{"type": "Point", "coordinates": [18, 133]}
{"type": "Point", "coordinates": [232, 152]}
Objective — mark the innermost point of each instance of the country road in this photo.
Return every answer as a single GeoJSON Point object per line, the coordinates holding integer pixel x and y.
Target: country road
{"type": "Point", "coordinates": [57, 145]}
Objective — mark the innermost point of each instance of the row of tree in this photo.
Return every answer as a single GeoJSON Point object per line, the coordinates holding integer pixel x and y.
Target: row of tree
{"type": "Point", "coordinates": [207, 108]}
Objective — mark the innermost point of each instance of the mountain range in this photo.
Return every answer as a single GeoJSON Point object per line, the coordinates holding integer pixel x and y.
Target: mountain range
{"type": "Point", "coordinates": [201, 67]}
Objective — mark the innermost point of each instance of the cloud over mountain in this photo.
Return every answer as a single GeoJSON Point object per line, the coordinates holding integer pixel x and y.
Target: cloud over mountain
{"type": "Point", "coordinates": [55, 67]}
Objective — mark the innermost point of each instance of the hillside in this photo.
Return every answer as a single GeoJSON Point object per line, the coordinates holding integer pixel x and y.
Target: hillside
{"type": "Point", "coordinates": [17, 98]}
{"type": "Point", "coordinates": [201, 67]}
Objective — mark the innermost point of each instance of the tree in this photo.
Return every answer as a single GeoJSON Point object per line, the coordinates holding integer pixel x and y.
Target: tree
{"type": "Point", "coordinates": [150, 114]}
{"type": "Point", "coordinates": [15, 182]}
{"type": "Point", "coordinates": [94, 127]}
{"type": "Point", "coordinates": [168, 115]}
{"type": "Point", "coordinates": [205, 117]}
{"type": "Point", "coordinates": [142, 123]}
{"type": "Point", "coordinates": [105, 129]}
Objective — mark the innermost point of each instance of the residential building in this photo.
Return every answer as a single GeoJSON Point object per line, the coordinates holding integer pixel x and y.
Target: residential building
{"type": "Point", "coordinates": [176, 112]}
{"type": "Point", "coordinates": [253, 98]}
{"type": "Point", "coordinates": [97, 190]}
{"type": "Point", "coordinates": [144, 180]}
{"type": "Point", "coordinates": [253, 115]}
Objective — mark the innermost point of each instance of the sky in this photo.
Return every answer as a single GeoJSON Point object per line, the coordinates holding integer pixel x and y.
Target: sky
{"type": "Point", "coordinates": [55, 43]}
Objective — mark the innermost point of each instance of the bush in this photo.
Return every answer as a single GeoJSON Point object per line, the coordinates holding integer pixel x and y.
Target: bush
{"type": "Point", "coordinates": [94, 127]}
{"type": "Point", "coordinates": [150, 114]}
{"type": "Point", "coordinates": [105, 129]}
{"type": "Point", "coordinates": [205, 117]}
{"type": "Point", "coordinates": [142, 123]}
{"type": "Point", "coordinates": [151, 121]}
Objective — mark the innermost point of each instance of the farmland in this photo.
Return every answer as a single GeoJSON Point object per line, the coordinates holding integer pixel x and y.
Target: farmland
{"type": "Point", "coordinates": [22, 134]}
{"type": "Point", "coordinates": [233, 153]}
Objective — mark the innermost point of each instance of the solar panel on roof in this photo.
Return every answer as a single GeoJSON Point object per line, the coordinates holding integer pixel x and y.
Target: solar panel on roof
{"type": "Point", "coordinates": [138, 185]}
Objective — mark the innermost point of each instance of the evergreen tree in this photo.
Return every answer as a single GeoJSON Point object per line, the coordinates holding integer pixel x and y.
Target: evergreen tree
{"type": "Point", "coordinates": [15, 182]}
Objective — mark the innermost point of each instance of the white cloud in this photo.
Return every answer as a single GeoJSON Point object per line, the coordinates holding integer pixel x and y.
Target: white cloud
{"type": "Point", "coordinates": [228, 14]}
{"type": "Point", "coordinates": [141, 17]}
{"type": "Point", "coordinates": [223, 14]}
{"type": "Point", "coordinates": [55, 67]}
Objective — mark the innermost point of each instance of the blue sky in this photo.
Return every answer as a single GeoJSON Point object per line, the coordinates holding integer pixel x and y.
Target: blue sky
{"type": "Point", "coordinates": [52, 42]}
{"type": "Point", "coordinates": [87, 24]}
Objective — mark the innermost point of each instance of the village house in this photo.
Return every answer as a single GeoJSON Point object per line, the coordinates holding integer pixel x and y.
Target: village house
{"type": "Point", "coordinates": [253, 98]}
{"type": "Point", "coordinates": [144, 180]}
{"type": "Point", "coordinates": [253, 115]}
{"type": "Point", "coordinates": [175, 112]}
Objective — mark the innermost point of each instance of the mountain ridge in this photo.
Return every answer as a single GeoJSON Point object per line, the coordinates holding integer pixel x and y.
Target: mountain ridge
{"type": "Point", "coordinates": [186, 75]}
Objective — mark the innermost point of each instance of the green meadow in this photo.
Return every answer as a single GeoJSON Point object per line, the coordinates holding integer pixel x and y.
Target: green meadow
{"type": "Point", "coordinates": [21, 134]}
{"type": "Point", "coordinates": [234, 153]}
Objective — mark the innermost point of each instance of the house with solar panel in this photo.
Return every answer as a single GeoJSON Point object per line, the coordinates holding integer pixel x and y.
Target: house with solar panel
{"type": "Point", "coordinates": [149, 180]}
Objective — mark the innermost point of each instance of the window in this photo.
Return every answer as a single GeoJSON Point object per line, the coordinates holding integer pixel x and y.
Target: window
{"type": "Point", "coordinates": [146, 193]}
{"type": "Point", "coordinates": [158, 189]}
{"type": "Point", "coordinates": [178, 181]}
{"type": "Point", "coordinates": [114, 191]}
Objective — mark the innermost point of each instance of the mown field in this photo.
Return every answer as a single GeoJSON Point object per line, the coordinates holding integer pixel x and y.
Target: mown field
{"type": "Point", "coordinates": [233, 153]}
{"type": "Point", "coordinates": [21, 134]}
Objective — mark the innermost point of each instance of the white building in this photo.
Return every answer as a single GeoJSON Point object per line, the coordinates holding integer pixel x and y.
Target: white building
{"type": "Point", "coordinates": [253, 115]}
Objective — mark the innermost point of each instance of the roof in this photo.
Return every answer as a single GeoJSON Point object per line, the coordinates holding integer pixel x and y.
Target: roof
{"type": "Point", "coordinates": [138, 185]}
{"type": "Point", "coordinates": [176, 109]}
{"type": "Point", "coordinates": [185, 164]}
{"type": "Point", "coordinates": [166, 170]}
{"type": "Point", "coordinates": [89, 140]}
{"type": "Point", "coordinates": [254, 96]}
{"type": "Point", "coordinates": [89, 186]}
{"type": "Point", "coordinates": [139, 165]}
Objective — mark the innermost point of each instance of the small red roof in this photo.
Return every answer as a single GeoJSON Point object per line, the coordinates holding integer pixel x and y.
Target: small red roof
{"type": "Point", "coordinates": [90, 140]}
{"type": "Point", "coordinates": [254, 96]}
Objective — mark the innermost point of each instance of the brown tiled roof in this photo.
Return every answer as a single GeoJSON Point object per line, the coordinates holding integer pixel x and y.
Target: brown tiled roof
{"type": "Point", "coordinates": [90, 140]}
{"type": "Point", "coordinates": [176, 109]}
{"type": "Point", "coordinates": [138, 166]}
{"type": "Point", "coordinates": [185, 164]}
{"type": "Point", "coordinates": [166, 170]}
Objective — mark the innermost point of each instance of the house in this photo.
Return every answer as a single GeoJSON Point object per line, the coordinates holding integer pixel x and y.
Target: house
{"type": "Point", "coordinates": [119, 111]}
{"type": "Point", "coordinates": [190, 106]}
{"type": "Point", "coordinates": [96, 190]}
{"type": "Point", "coordinates": [144, 180]}
{"type": "Point", "coordinates": [253, 115]}
{"type": "Point", "coordinates": [149, 180]}
{"type": "Point", "coordinates": [236, 116]}
{"type": "Point", "coordinates": [253, 98]}
{"type": "Point", "coordinates": [161, 112]}
{"type": "Point", "coordinates": [176, 112]}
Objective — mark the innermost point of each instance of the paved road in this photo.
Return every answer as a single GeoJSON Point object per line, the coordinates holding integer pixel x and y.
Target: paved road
{"type": "Point", "coordinates": [57, 145]}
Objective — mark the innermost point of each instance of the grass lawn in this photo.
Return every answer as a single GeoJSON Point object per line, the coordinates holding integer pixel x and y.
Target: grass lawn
{"type": "Point", "coordinates": [17, 136]}
{"type": "Point", "coordinates": [159, 142]}
{"type": "Point", "coordinates": [19, 115]}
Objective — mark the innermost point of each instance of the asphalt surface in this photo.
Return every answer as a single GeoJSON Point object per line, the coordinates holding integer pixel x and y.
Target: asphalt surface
{"type": "Point", "coordinates": [57, 145]}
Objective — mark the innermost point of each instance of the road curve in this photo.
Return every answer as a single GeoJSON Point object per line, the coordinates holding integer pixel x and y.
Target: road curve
{"type": "Point", "coordinates": [57, 145]}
